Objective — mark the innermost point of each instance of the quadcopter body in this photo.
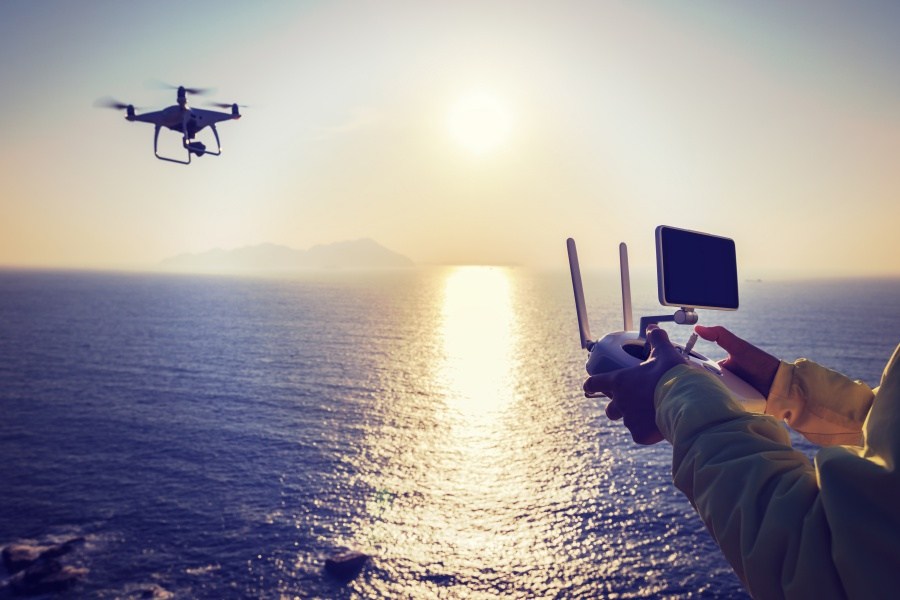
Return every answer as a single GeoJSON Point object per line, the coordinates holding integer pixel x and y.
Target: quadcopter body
{"type": "Point", "coordinates": [183, 119]}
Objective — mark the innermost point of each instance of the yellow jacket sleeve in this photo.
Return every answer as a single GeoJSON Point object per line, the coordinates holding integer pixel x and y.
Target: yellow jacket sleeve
{"type": "Point", "coordinates": [789, 528]}
{"type": "Point", "coordinates": [824, 406]}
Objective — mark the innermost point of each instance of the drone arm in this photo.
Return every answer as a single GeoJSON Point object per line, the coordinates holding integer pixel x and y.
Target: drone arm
{"type": "Point", "coordinates": [151, 117]}
{"type": "Point", "coordinates": [214, 116]}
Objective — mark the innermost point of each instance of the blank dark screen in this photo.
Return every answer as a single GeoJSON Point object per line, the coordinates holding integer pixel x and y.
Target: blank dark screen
{"type": "Point", "coordinates": [698, 269]}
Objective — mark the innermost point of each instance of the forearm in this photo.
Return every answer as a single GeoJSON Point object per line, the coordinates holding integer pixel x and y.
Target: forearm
{"type": "Point", "coordinates": [757, 496]}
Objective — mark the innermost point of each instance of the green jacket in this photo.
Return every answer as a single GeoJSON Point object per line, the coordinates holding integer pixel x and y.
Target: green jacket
{"type": "Point", "coordinates": [788, 527]}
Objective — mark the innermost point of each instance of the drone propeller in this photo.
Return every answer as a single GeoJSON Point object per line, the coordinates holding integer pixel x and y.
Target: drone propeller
{"type": "Point", "coordinates": [197, 91]}
{"type": "Point", "coordinates": [225, 105]}
{"type": "Point", "coordinates": [189, 90]}
{"type": "Point", "coordinates": [109, 102]}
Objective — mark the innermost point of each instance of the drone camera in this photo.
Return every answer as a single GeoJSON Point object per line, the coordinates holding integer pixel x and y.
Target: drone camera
{"type": "Point", "coordinates": [198, 148]}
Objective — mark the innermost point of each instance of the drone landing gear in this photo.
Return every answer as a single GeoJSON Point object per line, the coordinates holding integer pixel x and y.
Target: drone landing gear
{"type": "Point", "coordinates": [192, 146]}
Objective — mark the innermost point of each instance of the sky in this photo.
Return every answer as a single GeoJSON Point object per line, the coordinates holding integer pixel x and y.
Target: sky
{"type": "Point", "coordinates": [457, 132]}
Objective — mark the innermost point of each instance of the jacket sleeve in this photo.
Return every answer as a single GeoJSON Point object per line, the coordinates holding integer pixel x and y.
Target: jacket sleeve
{"type": "Point", "coordinates": [824, 406]}
{"type": "Point", "coordinates": [789, 528]}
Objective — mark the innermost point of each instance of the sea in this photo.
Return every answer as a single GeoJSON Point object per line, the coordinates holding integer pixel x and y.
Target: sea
{"type": "Point", "coordinates": [221, 436]}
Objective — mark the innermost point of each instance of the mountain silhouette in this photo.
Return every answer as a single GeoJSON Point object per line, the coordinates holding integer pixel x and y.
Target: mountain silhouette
{"type": "Point", "coordinates": [357, 254]}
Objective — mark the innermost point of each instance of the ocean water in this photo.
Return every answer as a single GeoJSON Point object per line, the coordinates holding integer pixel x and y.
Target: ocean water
{"type": "Point", "coordinates": [220, 437]}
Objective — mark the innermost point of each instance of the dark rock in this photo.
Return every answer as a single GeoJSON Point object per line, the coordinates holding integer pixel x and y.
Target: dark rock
{"type": "Point", "coordinates": [45, 577]}
{"type": "Point", "coordinates": [20, 556]}
{"type": "Point", "coordinates": [156, 592]}
{"type": "Point", "coordinates": [62, 549]}
{"type": "Point", "coordinates": [17, 557]}
{"type": "Point", "coordinates": [346, 566]}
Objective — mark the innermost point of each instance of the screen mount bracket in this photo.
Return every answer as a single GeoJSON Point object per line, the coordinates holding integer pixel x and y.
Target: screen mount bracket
{"type": "Point", "coordinates": [683, 316]}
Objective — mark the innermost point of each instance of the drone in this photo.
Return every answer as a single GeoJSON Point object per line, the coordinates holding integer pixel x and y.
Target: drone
{"type": "Point", "coordinates": [188, 121]}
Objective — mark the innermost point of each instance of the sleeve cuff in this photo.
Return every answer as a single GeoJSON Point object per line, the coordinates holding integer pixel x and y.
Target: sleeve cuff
{"type": "Point", "coordinates": [778, 403]}
{"type": "Point", "coordinates": [827, 408]}
{"type": "Point", "coordinates": [688, 400]}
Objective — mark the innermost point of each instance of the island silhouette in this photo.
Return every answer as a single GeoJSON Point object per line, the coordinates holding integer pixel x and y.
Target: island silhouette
{"type": "Point", "coordinates": [363, 253]}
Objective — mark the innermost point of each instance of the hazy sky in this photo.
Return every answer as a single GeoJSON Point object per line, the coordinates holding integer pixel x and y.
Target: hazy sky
{"type": "Point", "coordinates": [458, 132]}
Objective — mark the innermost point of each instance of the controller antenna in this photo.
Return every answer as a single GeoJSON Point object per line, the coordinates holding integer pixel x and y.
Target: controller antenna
{"type": "Point", "coordinates": [627, 318]}
{"type": "Point", "coordinates": [584, 328]}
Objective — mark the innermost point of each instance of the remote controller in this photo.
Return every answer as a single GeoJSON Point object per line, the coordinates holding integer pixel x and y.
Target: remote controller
{"type": "Point", "coordinates": [628, 348]}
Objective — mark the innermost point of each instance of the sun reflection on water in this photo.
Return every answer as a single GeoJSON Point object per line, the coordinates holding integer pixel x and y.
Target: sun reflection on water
{"type": "Point", "coordinates": [454, 478]}
{"type": "Point", "coordinates": [478, 330]}
{"type": "Point", "coordinates": [479, 482]}
{"type": "Point", "coordinates": [478, 333]}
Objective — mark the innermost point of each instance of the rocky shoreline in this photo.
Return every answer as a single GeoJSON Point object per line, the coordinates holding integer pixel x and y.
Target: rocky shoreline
{"type": "Point", "coordinates": [37, 569]}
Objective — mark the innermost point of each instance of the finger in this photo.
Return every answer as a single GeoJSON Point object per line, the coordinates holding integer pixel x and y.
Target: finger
{"type": "Point", "coordinates": [710, 334]}
{"type": "Point", "coordinates": [613, 412]}
{"type": "Point", "coordinates": [723, 337]}
{"type": "Point", "coordinates": [603, 383]}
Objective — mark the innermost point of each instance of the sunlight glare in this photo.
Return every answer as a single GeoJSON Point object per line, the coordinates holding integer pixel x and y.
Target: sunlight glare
{"type": "Point", "coordinates": [479, 122]}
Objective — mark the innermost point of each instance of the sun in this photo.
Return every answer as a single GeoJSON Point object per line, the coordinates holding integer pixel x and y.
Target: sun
{"type": "Point", "coordinates": [479, 122]}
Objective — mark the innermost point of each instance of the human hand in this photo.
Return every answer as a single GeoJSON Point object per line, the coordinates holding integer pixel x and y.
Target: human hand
{"type": "Point", "coordinates": [631, 390]}
{"type": "Point", "coordinates": [745, 360]}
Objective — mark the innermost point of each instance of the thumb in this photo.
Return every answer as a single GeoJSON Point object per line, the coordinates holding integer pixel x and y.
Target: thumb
{"type": "Point", "coordinates": [660, 346]}
{"type": "Point", "coordinates": [658, 338]}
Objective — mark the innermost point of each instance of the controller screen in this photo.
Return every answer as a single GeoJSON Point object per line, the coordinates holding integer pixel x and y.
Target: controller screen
{"type": "Point", "coordinates": [696, 269]}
